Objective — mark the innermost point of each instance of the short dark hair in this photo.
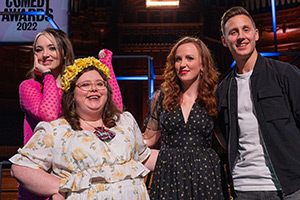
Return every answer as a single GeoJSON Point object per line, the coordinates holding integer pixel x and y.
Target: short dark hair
{"type": "Point", "coordinates": [234, 11]}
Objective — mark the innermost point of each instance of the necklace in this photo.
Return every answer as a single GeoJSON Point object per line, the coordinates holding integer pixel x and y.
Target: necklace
{"type": "Point", "coordinates": [102, 133]}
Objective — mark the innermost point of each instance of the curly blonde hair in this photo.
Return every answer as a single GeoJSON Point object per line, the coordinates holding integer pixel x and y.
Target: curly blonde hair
{"type": "Point", "coordinates": [207, 84]}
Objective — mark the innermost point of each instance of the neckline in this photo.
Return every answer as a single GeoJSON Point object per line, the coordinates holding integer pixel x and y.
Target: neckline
{"type": "Point", "coordinates": [101, 132]}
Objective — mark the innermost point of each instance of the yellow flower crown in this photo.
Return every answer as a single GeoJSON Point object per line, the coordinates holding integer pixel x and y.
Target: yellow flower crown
{"type": "Point", "coordinates": [79, 64]}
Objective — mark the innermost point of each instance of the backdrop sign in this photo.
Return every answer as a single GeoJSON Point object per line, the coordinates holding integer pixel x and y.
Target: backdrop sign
{"type": "Point", "coordinates": [18, 28]}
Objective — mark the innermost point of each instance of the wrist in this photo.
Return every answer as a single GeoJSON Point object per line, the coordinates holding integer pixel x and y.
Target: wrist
{"type": "Point", "coordinates": [45, 73]}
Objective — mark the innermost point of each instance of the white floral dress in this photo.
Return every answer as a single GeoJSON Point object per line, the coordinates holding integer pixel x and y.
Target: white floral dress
{"type": "Point", "coordinates": [88, 167]}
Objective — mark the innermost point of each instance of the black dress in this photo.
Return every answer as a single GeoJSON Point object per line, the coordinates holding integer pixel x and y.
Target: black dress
{"type": "Point", "coordinates": [187, 167]}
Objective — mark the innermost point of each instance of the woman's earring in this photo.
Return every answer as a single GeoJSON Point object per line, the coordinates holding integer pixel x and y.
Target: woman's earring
{"type": "Point", "coordinates": [73, 105]}
{"type": "Point", "coordinates": [201, 73]}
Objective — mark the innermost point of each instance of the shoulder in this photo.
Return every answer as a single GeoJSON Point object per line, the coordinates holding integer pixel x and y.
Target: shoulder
{"type": "Point", "coordinates": [158, 95]}
{"type": "Point", "coordinates": [126, 115]}
{"type": "Point", "coordinates": [126, 118]}
{"type": "Point", "coordinates": [275, 64]}
{"type": "Point", "coordinates": [225, 82]}
{"type": "Point", "coordinates": [60, 123]}
{"type": "Point", "coordinates": [29, 82]}
{"type": "Point", "coordinates": [282, 69]}
{"type": "Point", "coordinates": [29, 85]}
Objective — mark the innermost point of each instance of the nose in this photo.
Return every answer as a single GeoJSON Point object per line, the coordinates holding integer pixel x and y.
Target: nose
{"type": "Point", "coordinates": [45, 53]}
{"type": "Point", "coordinates": [241, 35]}
{"type": "Point", "coordinates": [183, 62]}
{"type": "Point", "coordinates": [93, 87]}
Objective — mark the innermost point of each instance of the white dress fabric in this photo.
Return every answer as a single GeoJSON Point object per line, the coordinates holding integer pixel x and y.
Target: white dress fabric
{"type": "Point", "coordinates": [88, 167]}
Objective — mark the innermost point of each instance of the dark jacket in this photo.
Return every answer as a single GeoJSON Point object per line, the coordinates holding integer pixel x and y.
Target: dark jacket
{"type": "Point", "coordinates": [275, 88]}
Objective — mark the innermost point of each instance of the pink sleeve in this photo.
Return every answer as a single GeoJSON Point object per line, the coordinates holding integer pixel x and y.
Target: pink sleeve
{"type": "Point", "coordinates": [117, 97]}
{"type": "Point", "coordinates": [44, 106]}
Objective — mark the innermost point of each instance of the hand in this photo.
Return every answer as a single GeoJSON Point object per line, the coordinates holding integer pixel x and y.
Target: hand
{"type": "Point", "coordinates": [39, 68]}
{"type": "Point", "coordinates": [59, 196]}
{"type": "Point", "coordinates": [101, 54]}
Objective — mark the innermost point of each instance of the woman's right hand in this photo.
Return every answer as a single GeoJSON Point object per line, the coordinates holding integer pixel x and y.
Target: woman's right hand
{"type": "Point", "coordinates": [39, 69]}
{"type": "Point", "coordinates": [59, 196]}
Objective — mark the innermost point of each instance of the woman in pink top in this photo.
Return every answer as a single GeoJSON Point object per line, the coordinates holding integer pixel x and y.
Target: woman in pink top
{"type": "Point", "coordinates": [40, 95]}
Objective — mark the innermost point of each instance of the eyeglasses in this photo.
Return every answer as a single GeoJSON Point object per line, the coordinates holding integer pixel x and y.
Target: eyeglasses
{"type": "Point", "coordinates": [87, 86]}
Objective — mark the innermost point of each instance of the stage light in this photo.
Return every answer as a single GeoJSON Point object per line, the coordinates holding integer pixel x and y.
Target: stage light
{"type": "Point", "coordinates": [162, 3]}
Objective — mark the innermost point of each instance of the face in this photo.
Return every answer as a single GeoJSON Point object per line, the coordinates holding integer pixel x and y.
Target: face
{"type": "Point", "coordinates": [188, 63]}
{"type": "Point", "coordinates": [91, 101]}
{"type": "Point", "coordinates": [240, 36]}
{"type": "Point", "coordinates": [47, 53]}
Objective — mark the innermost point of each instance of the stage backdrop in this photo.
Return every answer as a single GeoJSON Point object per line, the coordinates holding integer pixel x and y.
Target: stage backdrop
{"type": "Point", "coordinates": [15, 28]}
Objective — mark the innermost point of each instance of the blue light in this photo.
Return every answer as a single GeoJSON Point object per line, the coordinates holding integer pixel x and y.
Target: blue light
{"type": "Point", "coordinates": [133, 78]}
{"type": "Point", "coordinates": [271, 54]}
{"type": "Point", "coordinates": [232, 65]}
{"type": "Point", "coordinates": [274, 23]}
{"type": "Point", "coordinates": [151, 88]}
{"type": "Point", "coordinates": [52, 23]}
{"type": "Point", "coordinates": [34, 13]}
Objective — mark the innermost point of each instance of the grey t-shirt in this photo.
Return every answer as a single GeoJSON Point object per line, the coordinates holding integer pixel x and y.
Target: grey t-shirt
{"type": "Point", "coordinates": [252, 170]}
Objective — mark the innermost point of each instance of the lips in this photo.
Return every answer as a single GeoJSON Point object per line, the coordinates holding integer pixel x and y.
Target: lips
{"type": "Point", "coordinates": [183, 72]}
{"type": "Point", "coordinates": [241, 45]}
{"type": "Point", "coordinates": [93, 97]}
{"type": "Point", "coordinates": [47, 62]}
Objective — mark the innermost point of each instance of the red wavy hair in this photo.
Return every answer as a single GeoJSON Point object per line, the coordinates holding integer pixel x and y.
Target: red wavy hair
{"type": "Point", "coordinates": [207, 84]}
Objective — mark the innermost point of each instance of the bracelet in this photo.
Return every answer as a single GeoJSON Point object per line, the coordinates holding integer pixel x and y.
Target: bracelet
{"type": "Point", "coordinates": [45, 73]}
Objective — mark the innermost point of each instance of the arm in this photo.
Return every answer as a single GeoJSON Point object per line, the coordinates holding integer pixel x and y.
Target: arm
{"type": "Point", "coordinates": [32, 164]}
{"type": "Point", "coordinates": [151, 137]}
{"type": "Point", "coordinates": [152, 132]}
{"type": "Point", "coordinates": [106, 58]}
{"type": "Point", "coordinates": [44, 106]}
{"type": "Point", "coordinates": [151, 160]}
{"type": "Point", "coordinates": [221, 140]}
{"type": "Point", "coordinates": [290, 79]}
{"type": "Point", "coordinates": [37, 181]}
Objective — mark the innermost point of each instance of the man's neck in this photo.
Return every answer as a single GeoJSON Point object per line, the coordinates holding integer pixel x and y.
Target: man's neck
{"type": "Point", "coordinates": [245, 65]}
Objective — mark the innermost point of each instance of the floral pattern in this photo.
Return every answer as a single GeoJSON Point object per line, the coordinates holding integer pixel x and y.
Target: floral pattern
{"type": "Point", "coordinates": [88, 167]}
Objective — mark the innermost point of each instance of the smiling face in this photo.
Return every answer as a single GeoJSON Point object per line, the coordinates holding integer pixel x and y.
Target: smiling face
{"type": "Point", "coordinates": [90, 102]}
{"type": "Point", "coordinates": [47, 53]}
{"type": "Point", "coordinates": [240, 37]}
{"type": "Point", "coordinates": [188, 63]}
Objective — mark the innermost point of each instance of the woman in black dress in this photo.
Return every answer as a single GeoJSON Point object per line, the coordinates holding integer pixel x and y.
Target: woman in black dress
{"type": "Point", "coordinates": [182, 114]}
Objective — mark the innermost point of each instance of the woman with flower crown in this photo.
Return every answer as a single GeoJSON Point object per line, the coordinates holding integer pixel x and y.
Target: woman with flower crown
{"type": "Point", "coordinates": [93, 151]}
{"type": "Point", "coordinates": [40, 94]}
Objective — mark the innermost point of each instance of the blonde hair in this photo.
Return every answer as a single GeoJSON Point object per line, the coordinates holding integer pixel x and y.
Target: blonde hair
{"type": "Point", "coordinates": [62, 44]}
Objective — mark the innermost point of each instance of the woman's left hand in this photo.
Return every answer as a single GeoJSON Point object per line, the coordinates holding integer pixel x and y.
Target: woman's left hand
{"type": "Point", "coordinates": [101, 54]}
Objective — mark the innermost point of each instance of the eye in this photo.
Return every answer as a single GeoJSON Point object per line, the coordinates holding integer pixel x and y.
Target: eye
{"type": "Point", "coordinates": [189, 58]}
{"type": "Point", "coordinates": [52, 48]}
{"type": "Point", "coordinates": [38, 50]}
{"type": "Point", "coordinates": [101, 84]}
{"type": "Point", "coordinates": [177, 59]}
{"type": "Point", "coordinates": [233, 32]}
{"type": "Point", "coordinates": [84, 85]}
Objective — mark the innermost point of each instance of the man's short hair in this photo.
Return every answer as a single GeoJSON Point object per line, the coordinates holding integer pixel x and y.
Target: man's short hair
{"type": "Point", "coordinates": [234, 11]}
